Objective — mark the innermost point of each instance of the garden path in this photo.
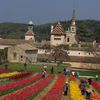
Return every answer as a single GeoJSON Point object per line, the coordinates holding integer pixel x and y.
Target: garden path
{"type": "Point", "coordinates": [45, 91]}
{"type": "Point", "coordinates": [63, 97]}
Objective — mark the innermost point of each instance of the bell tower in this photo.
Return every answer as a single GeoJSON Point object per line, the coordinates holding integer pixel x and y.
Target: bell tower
{"type": "Point", "coordinates": [71, 33]}
{"type": "Point", "coordinates": [73, 22]}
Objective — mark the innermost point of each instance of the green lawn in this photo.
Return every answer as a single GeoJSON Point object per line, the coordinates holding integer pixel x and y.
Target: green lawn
{"type": "Point", "coordinates": [57, 69]}
{"type": "Point", "coordinates": [90, 73]}
{"type": "Point", "coordinates": [35, 67]}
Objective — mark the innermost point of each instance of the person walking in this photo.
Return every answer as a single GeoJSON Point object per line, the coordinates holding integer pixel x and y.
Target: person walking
{"type": "Point", "coordinates": [89, 81]}
{"type": "Point", "coordinates": [66, 89]}
{"type": "Point", "coordinates": [25, 66]}
{"type": "Point", "coordinates": [88, 93]}
{"type": "Point", "coordinates": [52, 70]}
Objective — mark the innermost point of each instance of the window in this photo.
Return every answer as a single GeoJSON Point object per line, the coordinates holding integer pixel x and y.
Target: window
{"type": "Point", "coordinates": [89, 53]}
{"type": "Point", "coordinates": [67, 39]}
{"type": "Point", "coordinates": [57, 38]}
{"type": "Point", "coordinates": [14, 55]}
{"type": "Point", "coordinates": [72, 29]}
{"type": "Point", "coordinates": [21, 56]}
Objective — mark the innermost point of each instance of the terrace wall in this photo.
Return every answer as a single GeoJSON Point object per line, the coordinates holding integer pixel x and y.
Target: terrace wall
{"type": "Point", "coordinates": [84, 65]}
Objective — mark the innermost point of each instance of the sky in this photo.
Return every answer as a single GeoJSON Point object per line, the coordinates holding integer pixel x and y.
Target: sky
{"type": "Point", "coordinates": [47, 11]}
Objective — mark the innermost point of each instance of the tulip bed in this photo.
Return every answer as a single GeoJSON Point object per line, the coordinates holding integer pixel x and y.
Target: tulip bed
{"type": "Point", "coordinates": [56, 92]}
{"type": "Point", "coordinates": [75, 93]}
{"type": "Point", "coordinates": [5, 75]}
{"type": "Point", "coordinates": [96, 85]}
{"type": "Point", "coordinates": [95, 96]}
{"type": "Point", "coordinates": [29, 91]}
{"type": "Point", "coordinates": [4, 71]}
{"type": "Point", "coordinates": [72, 78]}
{"type": "Point", "coordinates": [19, 83]}
{"type": "Point", "coordinates": [20, 76]}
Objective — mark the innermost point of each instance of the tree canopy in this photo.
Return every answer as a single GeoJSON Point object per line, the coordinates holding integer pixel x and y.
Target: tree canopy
{"type": "Point", "coordinates": [87, 30]}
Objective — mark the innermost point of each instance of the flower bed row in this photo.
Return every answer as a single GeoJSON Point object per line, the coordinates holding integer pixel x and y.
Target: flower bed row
{"type": "Point", "coordinates": [75, 93]}
{"type": "Point", "coordinates": [4, 71]}
{"type": "Point", "coordinates": [4, 75]}
{"type": "Point", "coordinates": [19, 83]}
{"type": "Point", "coordinates": [72, 78]}
{"type": "Point", "coordinates": [96, 85]}
{"type": "Point", "coordinates": [56, 92]}
{"type": "Point", "coordinates": [29, 91]}
{"type": "Point", "coordinates": [20, 76]}
{"type": "Point", "coordinates": [95, 96]}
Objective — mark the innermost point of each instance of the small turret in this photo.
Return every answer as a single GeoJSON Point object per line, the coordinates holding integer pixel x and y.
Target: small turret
{"type": "Point", "coordinates": [30, 34]}
{"type": "Point", "coordinates": [30, 23]}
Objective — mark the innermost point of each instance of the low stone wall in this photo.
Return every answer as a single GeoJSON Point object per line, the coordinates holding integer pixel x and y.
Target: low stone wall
{"type": "Point", "coordinates": [85, 65]}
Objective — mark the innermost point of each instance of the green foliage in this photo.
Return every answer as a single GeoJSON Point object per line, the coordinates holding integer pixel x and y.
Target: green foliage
{"type": "Point", "coordinates": [87, 30]}
{"type": "Point", "coordinates": [62, 46]}
{"type": "Point", "coordinates": [86, 45]}
{"type": "Point", "coordinates": [74, 45]}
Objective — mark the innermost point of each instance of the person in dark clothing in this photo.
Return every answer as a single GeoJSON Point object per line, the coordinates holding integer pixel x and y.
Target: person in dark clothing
{"type": "Point", "coordinates": [64, 71]}
{"type": "Point", "coordinates": [89, 81]}
{"type": "Point", "coordinates": [52, 70]}
{"type": "Point", "coordinates": [6, 66]}
{"type": "Point", "coordinates": [83, 90]}
{"type": "Point", "coordinates": [88, 94]}
{"type": "Point", "coordinates": [25, 66]}
{"type": "Point", "coordinates": [43, 74]}
{"type": "Point", "coordinates": [66, 88]}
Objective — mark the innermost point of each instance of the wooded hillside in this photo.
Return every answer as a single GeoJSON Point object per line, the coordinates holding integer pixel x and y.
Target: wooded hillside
{"type": "Point", "coordinates": [87, 30]}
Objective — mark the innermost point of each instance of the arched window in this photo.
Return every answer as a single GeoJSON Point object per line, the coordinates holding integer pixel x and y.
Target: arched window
{"type": "Point", "coordinates": [68, 39]}
{"type": "Point", "coordinates": [73, 29]}
{"type": "Point", "coordinates": [14, 55]}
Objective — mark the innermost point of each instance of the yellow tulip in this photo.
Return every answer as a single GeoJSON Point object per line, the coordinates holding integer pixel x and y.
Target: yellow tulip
{"type": "Point", "coordinates": [4, 75]}
{"type": "Point", "coordinates": [75, 93]}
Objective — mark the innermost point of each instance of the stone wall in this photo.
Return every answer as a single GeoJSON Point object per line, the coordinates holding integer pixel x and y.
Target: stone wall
{"type": "Point", "coordinates": [84, 65]}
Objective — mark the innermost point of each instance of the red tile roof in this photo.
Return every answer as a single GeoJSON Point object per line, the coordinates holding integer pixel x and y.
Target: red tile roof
{"type": "Point", "coordinates": [58, 30]}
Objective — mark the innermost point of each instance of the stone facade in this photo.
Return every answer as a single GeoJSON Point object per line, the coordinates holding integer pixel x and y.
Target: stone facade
{"type": "Point", "coordinates": [57, 40]}
{"type": "Point", "coordinates": [22, 53]}
{"type": "Point", "coordinates": [59, 36]}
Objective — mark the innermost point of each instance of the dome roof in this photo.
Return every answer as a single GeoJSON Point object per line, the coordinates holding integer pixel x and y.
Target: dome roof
{"type": "Point", "coordinates": [30, 23]}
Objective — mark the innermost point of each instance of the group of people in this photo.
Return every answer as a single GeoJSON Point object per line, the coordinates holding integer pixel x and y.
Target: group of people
{"type": "Point", "coordinates": [75, 73]}
{"type": "Point", "coordinates": [86, 90]}
{"type": "Point", "coordinates": [66, 71]}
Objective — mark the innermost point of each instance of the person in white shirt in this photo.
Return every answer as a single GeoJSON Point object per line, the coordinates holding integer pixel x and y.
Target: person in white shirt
{"type": "Point", "coordinates": [73, 73]}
